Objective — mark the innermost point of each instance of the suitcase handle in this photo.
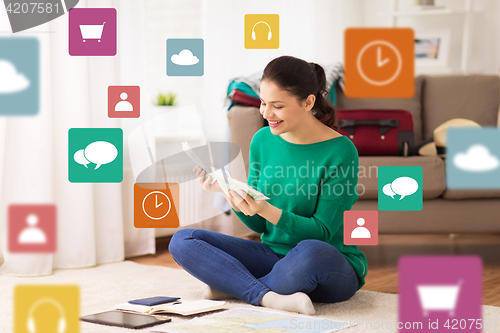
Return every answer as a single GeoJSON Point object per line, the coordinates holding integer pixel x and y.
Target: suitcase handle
{"type": "Point", "coordinates": [385, 124]}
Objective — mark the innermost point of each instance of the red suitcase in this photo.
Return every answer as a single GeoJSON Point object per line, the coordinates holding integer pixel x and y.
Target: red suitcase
{"type": "Point", "coordinates": [242, 98]}
{"type": "Point", "coordinates": [378, 132]}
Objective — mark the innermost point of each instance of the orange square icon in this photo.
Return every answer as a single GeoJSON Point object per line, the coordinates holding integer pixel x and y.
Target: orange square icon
{"type": "Point", "coordinates": [379, 62]}
{"type": "Point", "coordinates": [156, 205]}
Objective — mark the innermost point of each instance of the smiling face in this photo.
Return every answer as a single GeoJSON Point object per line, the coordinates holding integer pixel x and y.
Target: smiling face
{"type": "Point", "coordinates": [284, 112]}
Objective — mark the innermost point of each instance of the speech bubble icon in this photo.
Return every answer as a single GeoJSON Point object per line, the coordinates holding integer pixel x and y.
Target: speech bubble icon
{"type": "Point", "coordinates": [79, 158]}
{"type": "Point", "coordinates": [404, 186]}
{"type": "Point", "coordinates": [100, 152]}
{"type": "Point", "coordinates": [388, 190]}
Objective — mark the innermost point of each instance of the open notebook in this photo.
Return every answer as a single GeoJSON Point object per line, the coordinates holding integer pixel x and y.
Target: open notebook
{"type": "Point", "coordinates": [185, 308]}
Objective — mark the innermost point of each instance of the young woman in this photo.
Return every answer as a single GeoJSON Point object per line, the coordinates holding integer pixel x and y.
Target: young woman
{"type": "Point", "coordinates": [309, 172]}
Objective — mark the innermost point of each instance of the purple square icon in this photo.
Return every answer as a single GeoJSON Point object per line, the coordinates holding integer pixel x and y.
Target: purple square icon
{"type": "Point", "coordinates": [92, 32]}
{"type": "Point", "coordinates": [440, 293]}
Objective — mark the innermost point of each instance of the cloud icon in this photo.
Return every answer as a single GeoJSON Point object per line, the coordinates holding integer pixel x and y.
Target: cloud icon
{"type": "Point", "coordinates": [10, 80]}
{"type": "Point", "coordinates": [477, 159]}
{"type": "Point", "coordinates": [184, 58]}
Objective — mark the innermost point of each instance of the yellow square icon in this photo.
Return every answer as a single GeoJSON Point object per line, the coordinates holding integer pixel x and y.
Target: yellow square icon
{"type": "Point", "coordinates": [262, 31]}
{"type": "Point", "coordinates": [46, 308]}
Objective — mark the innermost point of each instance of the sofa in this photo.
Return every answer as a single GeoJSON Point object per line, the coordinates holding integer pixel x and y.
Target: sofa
{"type": "Point", "coordinates": [436, 99]}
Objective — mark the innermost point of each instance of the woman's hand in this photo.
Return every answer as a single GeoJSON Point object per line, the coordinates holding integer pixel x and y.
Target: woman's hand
{"type": "Point", "coordinates": [250, 207]}
{"type": "Point", "coordinates": [215, 187]}
{"type": "Point", "coordinates": [200, 173]}
{"type": "Point", "coordinates": [246, 204]}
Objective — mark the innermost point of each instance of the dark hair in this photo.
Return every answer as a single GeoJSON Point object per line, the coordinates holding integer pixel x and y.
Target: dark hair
{"type": "Point", "coordinates": [301, 79]}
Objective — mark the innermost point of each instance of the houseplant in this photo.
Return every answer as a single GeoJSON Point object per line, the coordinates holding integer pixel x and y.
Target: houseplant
{"type": "Point", "coordinates": [168, 99]}
{"type": "Point", "coordinates": [164, 103]}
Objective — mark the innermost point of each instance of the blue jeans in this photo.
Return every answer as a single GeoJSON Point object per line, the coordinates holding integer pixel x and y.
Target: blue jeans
{"type": "Point", "coordinates": [248, 269]}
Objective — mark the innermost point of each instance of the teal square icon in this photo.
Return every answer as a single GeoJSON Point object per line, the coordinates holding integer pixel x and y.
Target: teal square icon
{"type": "Point", "coordinates": [19, 76]}
{"type": "Point", "coordinates": [473, 160]}
{"type": "Point", "coordinates": [400, 188]}
{"type": "Point", "coordinates": [95, 155]}
{"type": "Point", "coordinates": [185, 57]}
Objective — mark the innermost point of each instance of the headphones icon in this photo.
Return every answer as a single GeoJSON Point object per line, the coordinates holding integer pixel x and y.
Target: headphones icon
{"type": "Point", "coordinates": [269, 34]}
{"type": "Point", "coordinates": [62, 320]}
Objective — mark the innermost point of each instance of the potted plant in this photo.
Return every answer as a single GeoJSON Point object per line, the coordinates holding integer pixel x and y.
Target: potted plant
{"type": "Point", "coordinates": [163, 104]}
{"type": "Point", "coordinates": [167, 99]}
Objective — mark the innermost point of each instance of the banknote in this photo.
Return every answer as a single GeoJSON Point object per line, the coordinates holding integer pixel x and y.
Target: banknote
{"type": "Point", "coordinates": [225, 183]}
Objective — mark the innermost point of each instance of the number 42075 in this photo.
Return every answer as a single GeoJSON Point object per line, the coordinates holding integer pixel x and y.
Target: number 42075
{"type": "Point", "coordinates": [455, 324]}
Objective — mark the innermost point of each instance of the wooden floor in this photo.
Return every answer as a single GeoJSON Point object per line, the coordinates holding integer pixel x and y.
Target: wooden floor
{"type": "Point", "coordinates": [382, 258]}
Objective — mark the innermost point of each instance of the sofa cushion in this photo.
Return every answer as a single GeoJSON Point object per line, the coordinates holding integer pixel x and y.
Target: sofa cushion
{"type": "Point", "coordinates": [433, 172]}
{"type": "Point", "coordinates": [474, 97]}
{"type": "Point", "coordinates": [244, 122]}
{"type": "Point", "coordinates": [438, 216]}
{"type": "Point", "coordinates": [454, 194]}
{"type": "Point", "coordinates": [412, 104]}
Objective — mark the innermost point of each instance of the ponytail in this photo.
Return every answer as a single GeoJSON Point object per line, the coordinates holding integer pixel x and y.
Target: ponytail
{"type": "Point", "coordinates": [302, 79]}
{"type": "Point", "coordinates": [324, 110]}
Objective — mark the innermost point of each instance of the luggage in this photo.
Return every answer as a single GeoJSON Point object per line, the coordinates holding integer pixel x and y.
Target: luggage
{"type": "Point", "coordinates": [378, 132]}
{"type": "Point", "coordinates": [242, 98]}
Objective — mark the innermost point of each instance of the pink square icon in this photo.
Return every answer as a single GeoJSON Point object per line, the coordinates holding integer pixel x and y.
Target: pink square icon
{"type": "Point", "coordinates": [92, 32]}
{"type": "Point", "coordinates": [440, 294]}
{"type": "Point", "coordinates": [124, 101]}
{"type": "Point", "coordinates": [361, 227]}
{"type": "Point", "coordinates": [32, 228]}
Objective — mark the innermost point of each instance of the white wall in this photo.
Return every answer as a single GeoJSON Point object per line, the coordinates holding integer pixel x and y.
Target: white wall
{"type": "Point", "coordinates": [171, 19]}
{"type": "Point", "coordinates": [313, 32]}
{"type": "Point", "coordinates": [484, 51]}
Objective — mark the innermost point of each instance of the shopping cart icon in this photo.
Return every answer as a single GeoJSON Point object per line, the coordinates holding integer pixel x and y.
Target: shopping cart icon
{"type": "Point", "coordinates": [439, 297]}
{"type": "Point", "coordinates": [92, 32]}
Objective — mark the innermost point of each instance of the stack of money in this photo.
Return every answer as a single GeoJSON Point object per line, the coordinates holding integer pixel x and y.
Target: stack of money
{"type": "Point", "coordinates": [226, 183]}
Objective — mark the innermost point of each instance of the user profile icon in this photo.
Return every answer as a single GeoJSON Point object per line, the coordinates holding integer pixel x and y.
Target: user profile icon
{"type": "Point", "coordinates": [361, 227]}
{"type": "Point", "coordinates": [32, 228]}
{"type": "Point", "coordinates": [124, 101]}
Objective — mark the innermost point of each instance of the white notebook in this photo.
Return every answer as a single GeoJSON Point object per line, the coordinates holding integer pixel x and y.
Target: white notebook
{"type": "Point", "coordinates": [186, 308]}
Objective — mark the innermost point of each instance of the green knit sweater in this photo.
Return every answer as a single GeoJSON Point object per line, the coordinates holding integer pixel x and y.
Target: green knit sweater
{"type": "Point", "coordinates": [313, 184]}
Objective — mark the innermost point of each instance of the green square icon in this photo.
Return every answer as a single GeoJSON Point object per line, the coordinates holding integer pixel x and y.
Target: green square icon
{"type": "Point", "coordinates": [95, 155]}
{"type": "Point", "coordinates": [400, 188]}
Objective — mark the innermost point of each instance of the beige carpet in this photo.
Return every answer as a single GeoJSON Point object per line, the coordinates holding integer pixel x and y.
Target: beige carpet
{"type": "Point", "coordinates": [107, 285]}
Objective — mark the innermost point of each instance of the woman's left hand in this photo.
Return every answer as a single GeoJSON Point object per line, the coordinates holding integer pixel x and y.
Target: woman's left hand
{"type": "Point", "coordinates": [250, 207]}
{"type": "Point", "coordinates": [246, 204]}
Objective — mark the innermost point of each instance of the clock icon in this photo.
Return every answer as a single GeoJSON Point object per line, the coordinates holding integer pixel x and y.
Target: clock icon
{"type": "Point", "coordinates": [156, 205]}
{"type": "Point", "coordinates": [387, 59]}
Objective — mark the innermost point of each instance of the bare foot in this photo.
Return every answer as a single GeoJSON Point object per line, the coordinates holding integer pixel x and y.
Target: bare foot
{"type": "Point", "coordinates": [298, 302]}
{"type": "Point", "coordinates": [211, 293]}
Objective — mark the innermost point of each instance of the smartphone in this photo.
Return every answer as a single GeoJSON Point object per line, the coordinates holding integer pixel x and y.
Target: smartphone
{"type": "Point", "coordinates": [154, 300]}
